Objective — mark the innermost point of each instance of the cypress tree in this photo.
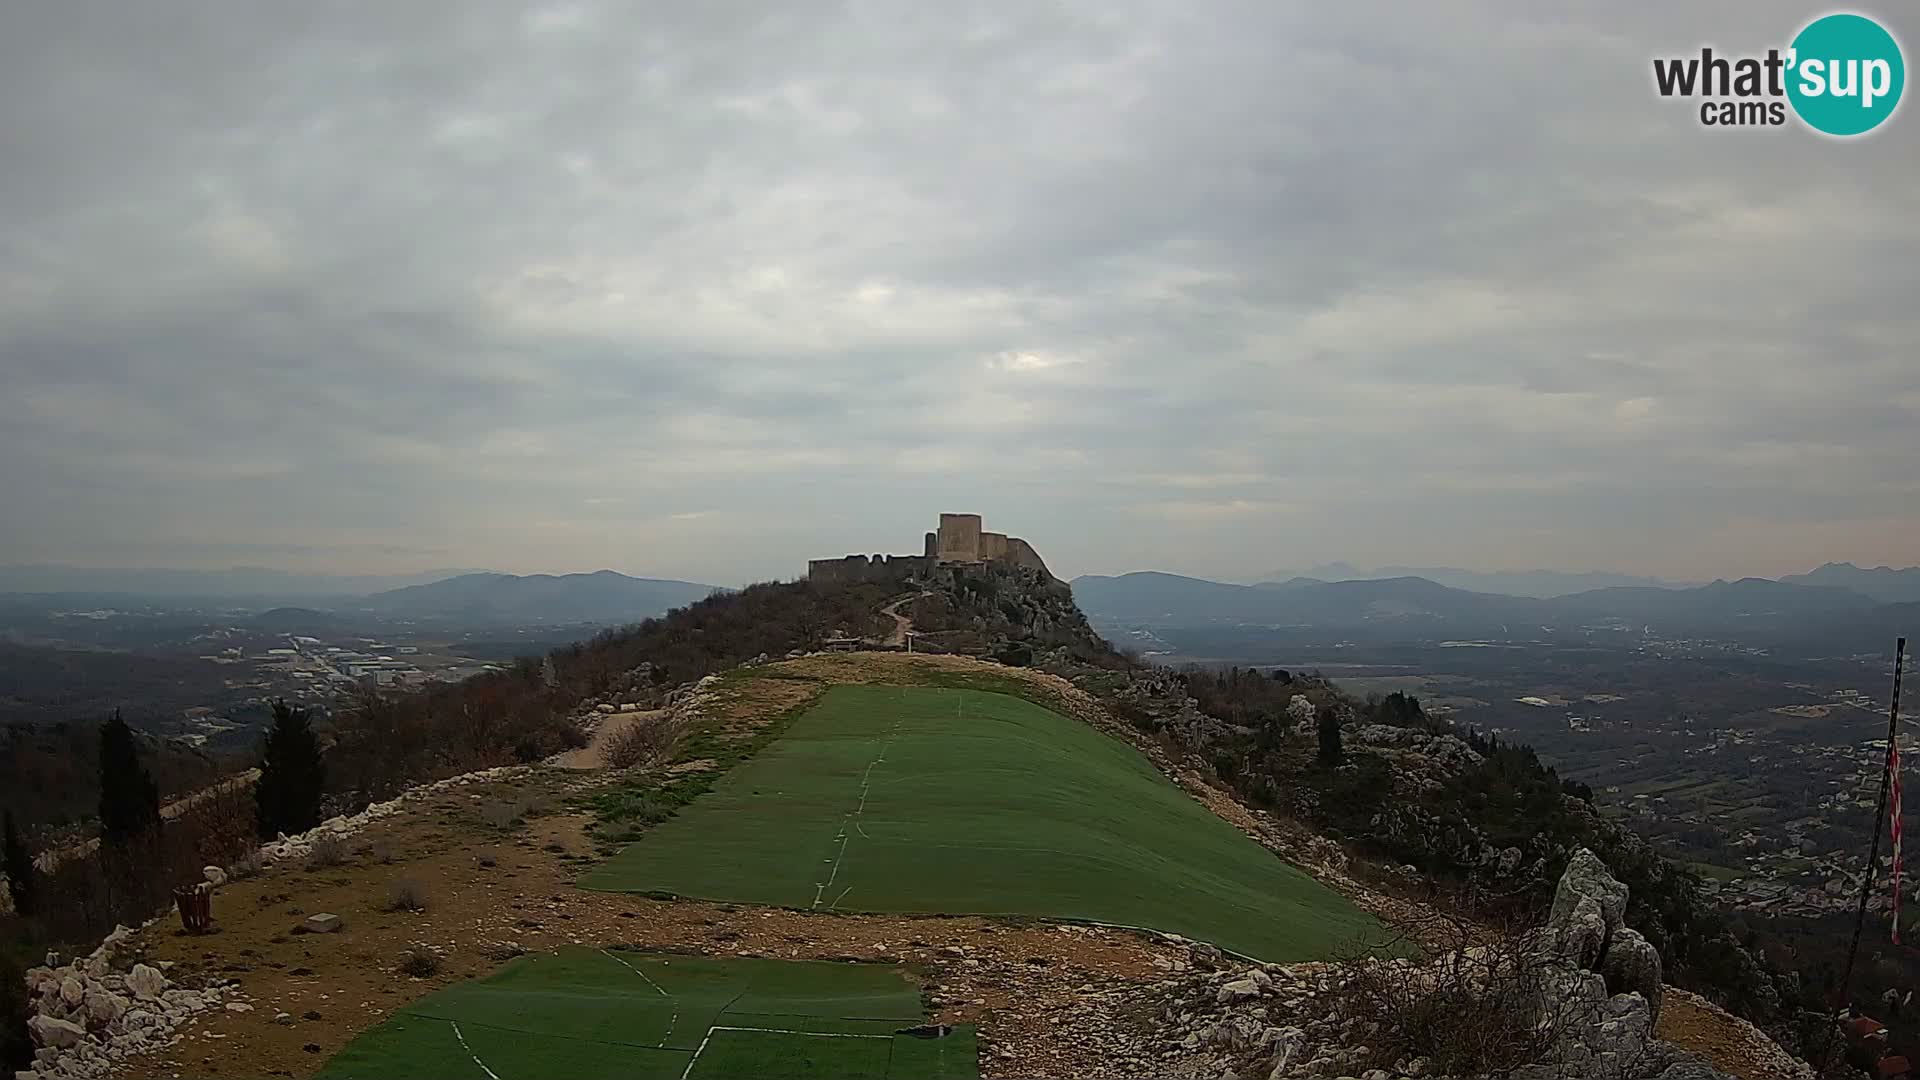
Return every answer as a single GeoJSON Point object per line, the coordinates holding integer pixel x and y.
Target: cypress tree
{"type": "Point", "coordinates": [293, 775]}
{"type": "Point", "coordinates": [19, 867]}
{"type": "Point", "coordinates": [129, 799]}
{"type": "Point", "coordinates": [1331, 753]}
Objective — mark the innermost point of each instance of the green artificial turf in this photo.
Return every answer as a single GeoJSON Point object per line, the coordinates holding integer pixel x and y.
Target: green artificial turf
{"type": "Point", "coordinates": [918, 799]}
{"type": "Point", "coordinates": [620, 1015]}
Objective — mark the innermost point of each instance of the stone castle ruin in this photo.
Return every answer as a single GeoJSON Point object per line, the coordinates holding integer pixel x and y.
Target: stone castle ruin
{"type": "Point", "coordinates": [958, 541]}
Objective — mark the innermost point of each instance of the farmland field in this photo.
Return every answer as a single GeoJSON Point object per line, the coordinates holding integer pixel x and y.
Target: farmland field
{"type": "Point", "coordinates": [600, 1015]}
{"type": "Point", "coordinates": [916, 799]}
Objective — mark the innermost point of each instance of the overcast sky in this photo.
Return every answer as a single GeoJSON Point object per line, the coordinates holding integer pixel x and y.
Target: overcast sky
{"type": "Point", "coordinates": [693, 290]}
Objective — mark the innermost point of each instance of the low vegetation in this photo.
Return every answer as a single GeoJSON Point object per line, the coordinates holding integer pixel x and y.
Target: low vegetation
{"type": "Point", "coordinates": [643, 741]}
{"type": "Point", "coordinates": [1418, 1011]}
{"type": "Point", "coordinates": [419, 962]}
{"type": "Point", "coordinates": [406, 894]}
{"type": "Point", "coordinates": [328, 852]}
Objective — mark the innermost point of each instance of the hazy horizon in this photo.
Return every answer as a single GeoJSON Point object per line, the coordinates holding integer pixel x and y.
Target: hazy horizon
{"type": "Point", "coordinates": [1332, 571]}
{"type": "Point", "coordinates": [1210, 291]}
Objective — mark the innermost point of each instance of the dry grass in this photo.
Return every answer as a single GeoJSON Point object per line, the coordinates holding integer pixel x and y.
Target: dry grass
{"type": "Point", "coordinates": [499, 813]}
{"type": "Point", "coordinates": [406, 894]}
{"type": "Point", "coordinates": [1408, 1009]}
{"type": "Point", "coordinates": [247, 864]}
{"type": "Point", "coordinates": [644, 741]}
{"type": "Point", "coordinates": [328, 851]}
{"type": "Point", "coordinates": [420, 962]}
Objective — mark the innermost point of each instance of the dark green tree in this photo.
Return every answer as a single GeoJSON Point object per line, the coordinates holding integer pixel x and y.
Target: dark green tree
{"type": "Point", "coordinates": [129, 799]}
{"type": "Point", "coordinates": [19, 866]}
{"type": "Point", "coordinates": [1331, 752]}
{"type": "Point", "coordinates": [293, 775]}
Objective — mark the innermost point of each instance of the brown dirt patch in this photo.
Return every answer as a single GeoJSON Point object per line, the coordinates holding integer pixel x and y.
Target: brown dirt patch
{"type": "Point", "coordinates": [1732, 1045]}
{"type": "Point", "coordinates": [738, 708]}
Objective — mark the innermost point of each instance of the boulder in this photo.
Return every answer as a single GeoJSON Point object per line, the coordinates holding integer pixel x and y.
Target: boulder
{"type": "Point", "coordinates": [1589, 905]}
{"type": "Point", "coordinates": [72, 990]}
{"type": "Point", "coordinates": [58, 1034]}
{"type": "Point", "coordinates": [215, 876]}
{"type": "Point", "coordinates": [1241, 989]}
{"type": "Point", "coordinates": [323, 923]}
{"type": "Point", "coordinates": [1587, 877]}
{"type": "Point", "coordinates": [104, 1006]}
{"type": "Point", "coordinates": [1632, 966]}
{"type": "Point", "coordinates": [146, 982]}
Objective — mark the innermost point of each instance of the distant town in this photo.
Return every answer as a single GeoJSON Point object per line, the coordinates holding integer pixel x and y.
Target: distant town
{"type": "Point", "coordinates": [311, 670]}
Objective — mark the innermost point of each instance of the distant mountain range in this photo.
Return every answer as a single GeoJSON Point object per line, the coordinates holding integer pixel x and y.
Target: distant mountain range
{"type": "Point", "coordinates": [1753, 610]}
{"type": "Point", "coordinates": [601, 597]}
{"type": "Point", "coordinates": [1882, 583]}
{"type": "Point", "coordinates": [317, 601]}
{"type": "Point", "coordinates": [240, 582]}
{"type": "Point", "coordinates": [1537, 583]}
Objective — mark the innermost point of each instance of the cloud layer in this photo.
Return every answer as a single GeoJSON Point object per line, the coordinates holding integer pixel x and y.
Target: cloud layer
{"type": "Point", "coordinates": [704, 290]}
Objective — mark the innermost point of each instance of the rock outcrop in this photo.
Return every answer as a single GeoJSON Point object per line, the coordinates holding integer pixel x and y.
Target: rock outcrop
{"type": "Point", "coordinates": [1587, 928]}
{"type": "Point", "coordinates": [1595, 991]}
{"type": "Point", "coordinates": [92, 1014]}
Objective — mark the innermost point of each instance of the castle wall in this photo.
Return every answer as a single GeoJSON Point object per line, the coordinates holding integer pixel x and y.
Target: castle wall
{"type": "Point", "coordinates": [1021, 553]}
{"type": "Point", "coordinates": [959, 538]}
{"type": "Point", "coordinates": [863, 568]}
{"type": "Point", "coordinates": [993, 545]}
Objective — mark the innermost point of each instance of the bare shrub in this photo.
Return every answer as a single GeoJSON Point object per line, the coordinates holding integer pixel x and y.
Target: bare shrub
{"type": "Point", "coordinates": [644, 741]}
{"type": "Point", "coordinates": [382, 852]}
{"type": "Point", "coordinates": [1483, 1006]}
{"type": "Point", "coordinates": [247, 864]}
{"type": "Point", "coordinates": [328, 851]}
{"type": "Point", "coordinates": [406, 894]}
{"type": "Point", "coordinates": [419, 962]}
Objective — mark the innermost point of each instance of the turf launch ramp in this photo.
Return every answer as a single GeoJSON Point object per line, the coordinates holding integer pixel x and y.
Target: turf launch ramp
{"type": "Point", "coordinates": [953, 801]}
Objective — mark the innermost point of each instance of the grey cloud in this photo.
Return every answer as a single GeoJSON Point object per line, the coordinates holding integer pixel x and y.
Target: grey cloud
{"type": "Point", "coordinates": [1213, 289]}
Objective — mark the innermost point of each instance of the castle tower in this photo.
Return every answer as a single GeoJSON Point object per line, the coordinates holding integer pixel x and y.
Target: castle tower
{"type": "Point", "coordinates": [959, 538]}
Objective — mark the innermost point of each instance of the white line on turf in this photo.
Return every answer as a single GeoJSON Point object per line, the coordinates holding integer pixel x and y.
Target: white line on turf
{"type": "Point", "coordinates": [672, 1022]}
{"type": "Point", "coordinates": [808, 1034]}
{"type": "Point", "coordinates": [866, 785]}
{"type": "Point", "coordinates": [636, 971]}
{"type": "Point", "coordinates": [688, 1071]}
{"type": "Point", "coordinates": [476, 1057]}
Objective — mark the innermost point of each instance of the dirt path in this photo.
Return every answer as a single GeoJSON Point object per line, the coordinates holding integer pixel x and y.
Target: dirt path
{"type": "Point", "coordinates": [594, 754]}
{"type": "Point", "coordinates": [902, 625]}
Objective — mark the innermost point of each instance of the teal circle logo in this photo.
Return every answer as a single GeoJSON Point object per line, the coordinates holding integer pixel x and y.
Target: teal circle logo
{"type": "Point", "coordinates": [1846, 76]}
